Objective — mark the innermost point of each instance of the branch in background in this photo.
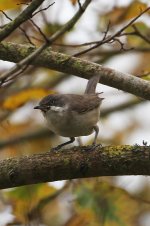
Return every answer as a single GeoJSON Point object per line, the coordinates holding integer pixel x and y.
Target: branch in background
{"type": "Point", "coordinates": [138, 33]}
{"type": "Point", "coordinates": [39, 30]}
{"type": "Point", "coordinates": [80, 6]}
{"type": "Point", "coordinates": [111, 52]}
{"type": "Point", "coordinates": [23, 64]}
{"type": "Point", "coordinates": [24, 16]}
{"type": "Point", "coordinates": [142, 75]}
{"type": "Point", "coordinates": [123, 106]}
{"type": "Point", "coordinates": [112, 38]}
{"type": "Point", "coordinates": [43, 9]}
{"type": "Point", "coordinates": [104, 55]}
{"type": "Point", "coordinates": [26, 137]}
{"type": "Point", "coordinates": [23, 30]}
{"type": "Point", "coordinates": [32, 213]}
{"type": "Point", "coordinates": [79, 67]}
{"type": "Point", "coordinates": [73, 163]}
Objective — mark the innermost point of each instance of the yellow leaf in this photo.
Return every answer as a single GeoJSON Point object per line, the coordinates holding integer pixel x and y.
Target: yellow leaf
{"type": "Point", "coordinates": [134, 9]}
{"type": "Point", "coordinates": [22, 97]}
{"type": "Point", "coordinates": [116, 15]}
{"type": "Point", "coordinates": [121, 14]}
{"type": "Point", "coordinates": [83, 218]}
{"type": "Point", "coordinates": [10, 4]}
{"type": "Point", "coordinates": [106, 202]}
{"type": "Point", "coordinates": [26, 198]}
{"type": "Point", "coordinates": [73, 2]}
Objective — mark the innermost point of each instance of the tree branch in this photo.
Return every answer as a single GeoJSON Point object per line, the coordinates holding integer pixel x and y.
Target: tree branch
{"type": "Point", "coordinates": [77, 162]}
{"type": "Point", "coordinates": [123, 106]}
{"type": "Point", "coordinates": [27, 137]}
{"type": "Point", "coordinates": [79, 67]}
{"type": "Point", "coordinates": [24, 16]}
{"type": "Point", "coordinates": [23, 64]}
{"type": "Point", "coordinates": [112, 38]}
{"type": "Point", "coordinates": [112, 52]}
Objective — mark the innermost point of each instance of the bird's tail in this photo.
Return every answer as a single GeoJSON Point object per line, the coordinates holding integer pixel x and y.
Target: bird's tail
{"type": "Point", "coordinates": [91, 85]}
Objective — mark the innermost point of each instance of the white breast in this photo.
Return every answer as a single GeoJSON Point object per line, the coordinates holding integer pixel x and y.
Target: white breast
{"type": "Point", "coordinates": [71, 124]}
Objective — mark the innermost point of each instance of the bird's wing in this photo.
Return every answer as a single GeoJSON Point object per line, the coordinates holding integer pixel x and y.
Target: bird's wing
{"type": "Point", "coordinates": [84, 103]}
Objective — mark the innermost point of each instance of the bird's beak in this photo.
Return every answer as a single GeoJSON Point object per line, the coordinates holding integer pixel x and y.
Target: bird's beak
{"type": "Point", "coordinates": [37, 107]}
{"type": "Point", "coordinates": [42, 108]}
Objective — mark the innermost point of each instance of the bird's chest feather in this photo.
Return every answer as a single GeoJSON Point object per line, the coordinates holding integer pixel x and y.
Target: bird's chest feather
{"type": "Point", "coordinates": [70, 123]}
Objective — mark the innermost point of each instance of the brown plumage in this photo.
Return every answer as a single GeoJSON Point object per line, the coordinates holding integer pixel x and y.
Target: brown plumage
{"type": "Point", "coordinates": [78, 103]}
{"type": "Point", "coordinates": [73, 115]}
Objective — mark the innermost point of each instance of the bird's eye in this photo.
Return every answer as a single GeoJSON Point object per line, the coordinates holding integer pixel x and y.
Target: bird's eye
{"type": "Point", "coordinates": [52, 102]}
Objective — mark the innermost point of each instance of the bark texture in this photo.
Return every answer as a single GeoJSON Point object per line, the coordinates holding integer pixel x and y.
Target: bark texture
{"type": "Point", "coordinates": [77, 162]}
{"type": "Point", "coordinates": [76, 66]}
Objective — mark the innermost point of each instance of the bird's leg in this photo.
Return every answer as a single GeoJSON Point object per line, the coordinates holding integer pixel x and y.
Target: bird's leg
{"type": "Point", "coordinates": [94, 145]}
{"type": "Point", "coordinates": [96, 129]}
{"type": "Point", "coordinates": [72, 139]}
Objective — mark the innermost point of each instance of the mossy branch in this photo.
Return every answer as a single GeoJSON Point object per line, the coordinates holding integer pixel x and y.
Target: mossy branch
{"type": "Point", "coordinates": [79, 67]}
{"type": "Point", "coordinates": [76, 162]}
{"type": "Point", "coordinates": [24, 16]}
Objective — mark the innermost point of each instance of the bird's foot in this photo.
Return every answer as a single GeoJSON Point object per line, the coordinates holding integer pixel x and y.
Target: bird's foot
{"type": "Point", "coordinates": [91, 147]}
{"type": "Point", "coordinates": [55, 149]}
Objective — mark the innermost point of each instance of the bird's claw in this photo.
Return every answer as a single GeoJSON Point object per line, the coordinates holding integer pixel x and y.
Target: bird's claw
{"type": "Point", "coordinates": [92, 147]}
{"type": "Point", "coordinates": [55, 149]}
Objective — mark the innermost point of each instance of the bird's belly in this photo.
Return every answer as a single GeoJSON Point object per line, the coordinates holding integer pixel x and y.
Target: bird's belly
{"type": "Point", "coordinates": [72, 124]}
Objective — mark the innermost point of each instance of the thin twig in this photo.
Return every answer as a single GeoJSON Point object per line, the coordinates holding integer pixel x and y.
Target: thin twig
{"type": "Point", "coordinates": [50, 40]}
{"type": "Point", "coordinates": [138, 33]}
{"type": "Point", "coordinates": [24, 32]}
{"type": "Point", "coordinates": [40, 31]}
{"type": "Point", "coordinates": [43, 9]}
{"type": "Point", "coordinates": [112, 52]}
{"type": "Point", "coordinates": [106, 32]}
{"type": "Point", "coordinates": [38, 134]}
{"type": "Point", "coordinates": [79, 67]}
{"type": "Point", "coordinates": [47, 200]}
{"type": "Point", "coordinates": [111, 37]}
{"type": "Point", "coordinates": [24, 16]}
{"type": "Point", "coordinates": [80, 6]}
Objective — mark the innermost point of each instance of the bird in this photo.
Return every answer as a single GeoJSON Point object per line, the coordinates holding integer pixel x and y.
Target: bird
{"type": "Point", "coordinates": [73, 115]}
